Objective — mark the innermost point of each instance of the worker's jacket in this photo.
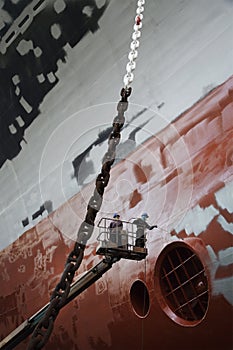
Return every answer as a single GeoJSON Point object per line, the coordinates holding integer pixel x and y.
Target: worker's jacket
{"type": "Point", "coordinates": [141, 226]}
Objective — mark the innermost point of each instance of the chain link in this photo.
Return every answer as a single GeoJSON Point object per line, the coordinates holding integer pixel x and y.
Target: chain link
{"type": "Point", "coordinates": [133, 54]}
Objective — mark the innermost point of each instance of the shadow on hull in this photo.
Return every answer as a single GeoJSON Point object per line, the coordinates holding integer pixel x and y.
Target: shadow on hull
{"type": "Point", "coordinates": [33, 39]}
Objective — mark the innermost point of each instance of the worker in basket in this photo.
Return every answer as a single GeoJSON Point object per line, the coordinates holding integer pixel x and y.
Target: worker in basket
{"type": "Point", "coordinates": [115, 229]}
{"type": "Point", "coordinates": [142, 225]}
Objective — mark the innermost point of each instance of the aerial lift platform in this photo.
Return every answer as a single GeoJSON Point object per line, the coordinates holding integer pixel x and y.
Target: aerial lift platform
{"type": "Point", "coordinates": [119, 242]}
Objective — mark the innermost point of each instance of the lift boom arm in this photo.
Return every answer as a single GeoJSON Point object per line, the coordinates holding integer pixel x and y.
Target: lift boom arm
{"type": "Point", "coordinates": [27, 327]}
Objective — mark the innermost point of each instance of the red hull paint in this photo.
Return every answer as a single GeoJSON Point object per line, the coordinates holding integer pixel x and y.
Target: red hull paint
{"type": "Point", "coordinates": [181, 167]}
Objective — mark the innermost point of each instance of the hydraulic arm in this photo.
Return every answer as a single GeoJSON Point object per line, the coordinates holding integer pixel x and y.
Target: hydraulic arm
{"type": "Point", "coordinates": [27, 327]}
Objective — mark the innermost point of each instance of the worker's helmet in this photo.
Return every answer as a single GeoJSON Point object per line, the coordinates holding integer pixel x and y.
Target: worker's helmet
{"type": "Point", "coordinates": [145, 215]}
{"type": "Point", "coordinates": [116, 215]}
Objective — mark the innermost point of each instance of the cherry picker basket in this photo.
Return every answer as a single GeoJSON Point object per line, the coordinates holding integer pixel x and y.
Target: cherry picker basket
{"type": "Point", "coordinates": [118, 241]}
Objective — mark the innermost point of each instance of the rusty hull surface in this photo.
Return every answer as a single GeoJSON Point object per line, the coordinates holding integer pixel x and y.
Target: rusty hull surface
{"type": "Point", "coordinates": [181, 167]}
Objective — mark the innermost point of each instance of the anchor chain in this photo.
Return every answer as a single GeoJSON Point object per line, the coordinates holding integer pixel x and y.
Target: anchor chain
{"type": "Point", "coordinates": [60, 294]}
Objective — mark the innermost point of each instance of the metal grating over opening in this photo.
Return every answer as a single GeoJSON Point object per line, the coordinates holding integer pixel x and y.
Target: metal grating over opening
{"type": "Point", "coordinates": [184, 284]}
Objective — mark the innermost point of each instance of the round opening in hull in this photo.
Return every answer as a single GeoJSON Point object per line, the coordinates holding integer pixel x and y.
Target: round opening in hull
{"type": "Point", "coordinates": [139, 297]}
{"type": "Point", "coordinates": [181, 284]}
